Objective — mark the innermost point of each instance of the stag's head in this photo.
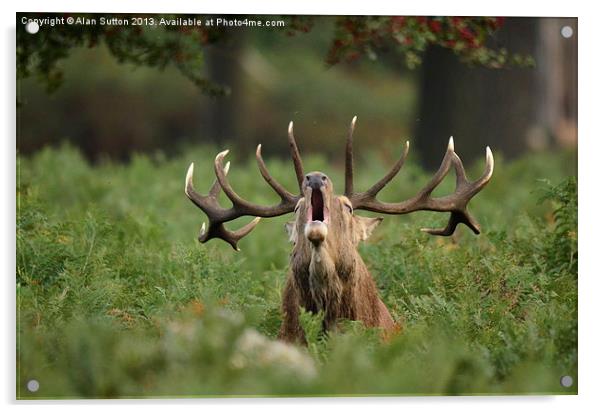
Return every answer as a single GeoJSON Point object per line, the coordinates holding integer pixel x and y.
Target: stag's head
{"type": "Point", "coordinates": [323, 217]}
{"type": "Point", "coordinates": [325, 221]}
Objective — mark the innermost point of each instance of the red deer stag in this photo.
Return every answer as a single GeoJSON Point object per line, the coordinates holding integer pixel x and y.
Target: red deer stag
{"type": "Point", "coordinates": [326, 271]}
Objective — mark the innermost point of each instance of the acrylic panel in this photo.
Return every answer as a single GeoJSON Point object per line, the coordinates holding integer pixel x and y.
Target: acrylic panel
{"type": "Point", "coordinates": [277, 205]}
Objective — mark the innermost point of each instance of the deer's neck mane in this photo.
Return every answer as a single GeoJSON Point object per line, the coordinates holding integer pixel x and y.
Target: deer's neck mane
{"type": "Point", "coordinates": [326, 284]}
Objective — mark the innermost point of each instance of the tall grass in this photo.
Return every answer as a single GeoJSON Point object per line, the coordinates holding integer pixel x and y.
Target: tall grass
{"type": "Point", "coordinates": [116, 298]}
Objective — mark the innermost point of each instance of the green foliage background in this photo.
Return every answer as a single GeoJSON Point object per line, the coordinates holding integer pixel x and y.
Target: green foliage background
{"type": "Point", "coordinates": [117, 299]}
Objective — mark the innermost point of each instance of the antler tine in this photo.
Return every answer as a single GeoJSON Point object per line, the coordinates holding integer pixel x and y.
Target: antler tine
{"type": "Point", "coordinates": [455, 203]}
{"type": "Point", "coordinates": [377, 187]}
{"type": "Point", "coordinates": [204, 202]}
{"type": "Point", "coordinates": [349, 159]}
{"type": "Point", "coordinates": [244, 207]}
{"type": "Point", "coordinates": [223, 180]}
{"type": "Point", "coordinates": [455, 219]}
{"type": "Point", "coordinates": [189, 190]}
{"type": "Point", "coordinates": [295, 155]}
{"type": "Point", "coordinates": [487, 174]}
{"type": "Point", "coordinates": [276, 186]}
{"type": "Point", "coordinates": [231, 237]}
{"type": "Point", "coordinates": [468, 190]}
{"type": "Point", "coordinates": [450, 156]}
{"type": "Point", "coordinates": [216, 188]}
{"type": "Point", "coordinates": [240, 207]}
{"type": "Point", "coordinates": [458, 166]}
{"type": "Point", "coordinates": [216, 215]}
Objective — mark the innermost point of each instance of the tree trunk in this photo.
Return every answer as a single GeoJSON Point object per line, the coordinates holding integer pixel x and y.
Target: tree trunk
{"type": "Point", "coordinates": [507, 109]}
{"type": "Point", "coordinates": [224, 67]}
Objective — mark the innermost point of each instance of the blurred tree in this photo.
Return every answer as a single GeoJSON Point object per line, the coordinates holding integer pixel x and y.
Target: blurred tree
{"type": "Point", "coordinates": [476, 105]}
{"type": "Point", "coordinates": [158, 45]}
{"type": "Point", "coordinates": [212, 58]}
{"type": "Point", "coordinates": [512, 110]}
{"type": "Point", "coordinates": [225, 69]}
{"type": "Point", "coordinates": [151, 45]}
{"type": "Point", "coordinates": [411, 36]}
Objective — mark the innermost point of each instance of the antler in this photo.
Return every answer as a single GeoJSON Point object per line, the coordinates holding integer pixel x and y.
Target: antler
{"type": "Point", "coordinates": [455, 203]}
{"type": "Point", "coordinates": [240, 207]}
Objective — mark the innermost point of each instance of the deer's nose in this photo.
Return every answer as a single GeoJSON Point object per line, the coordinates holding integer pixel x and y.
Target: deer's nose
{"type": "Point", "coordinates": [316, 180]}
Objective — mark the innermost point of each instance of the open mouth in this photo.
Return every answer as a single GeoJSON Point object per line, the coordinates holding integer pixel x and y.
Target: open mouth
{"type": "Point", "coordinates": [317, 206]}
{"type": "Point", "coordinates": [317, 210]}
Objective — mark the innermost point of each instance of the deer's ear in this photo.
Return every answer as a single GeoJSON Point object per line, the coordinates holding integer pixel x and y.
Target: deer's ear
{"type": "Point", "coordinates": [365, 226]}
{"type": "Point", "coordinates": [291, 230]}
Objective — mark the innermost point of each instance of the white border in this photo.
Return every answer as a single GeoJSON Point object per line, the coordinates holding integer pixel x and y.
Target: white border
{"type": "Point", "coordinates": [589, 229]}
{"type": "Point", "coordinates": [374, 7]}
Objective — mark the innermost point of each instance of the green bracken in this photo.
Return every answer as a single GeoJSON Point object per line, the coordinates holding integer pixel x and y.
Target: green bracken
{"type": "Point", "coordinates": [116, 298]}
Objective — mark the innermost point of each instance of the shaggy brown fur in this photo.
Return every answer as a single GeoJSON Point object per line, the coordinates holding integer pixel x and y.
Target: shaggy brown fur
{"type": "Point", "coordinates": [326, 271]}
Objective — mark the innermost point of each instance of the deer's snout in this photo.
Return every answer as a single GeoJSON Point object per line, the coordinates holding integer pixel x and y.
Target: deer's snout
{"type": "Point", "coordinates": [315, 180]}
